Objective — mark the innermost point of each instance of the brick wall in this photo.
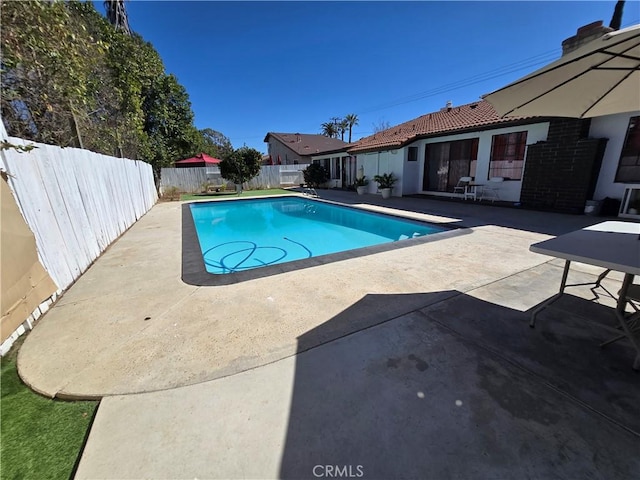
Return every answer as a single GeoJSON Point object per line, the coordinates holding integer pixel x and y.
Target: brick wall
{"type": "Point", "coordinates": [584, 35]}
{"type": "Point", "coordinates": [561, 173]}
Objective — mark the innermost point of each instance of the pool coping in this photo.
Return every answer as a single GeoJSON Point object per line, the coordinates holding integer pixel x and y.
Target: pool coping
{"type": "Point", "coordinates": [195, 273]}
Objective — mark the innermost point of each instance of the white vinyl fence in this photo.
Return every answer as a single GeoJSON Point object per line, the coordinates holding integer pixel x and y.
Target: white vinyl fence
{"type": "Point", "coordinates": [194, 180]}
{"type": "Point", "coordinates": [76, 202]}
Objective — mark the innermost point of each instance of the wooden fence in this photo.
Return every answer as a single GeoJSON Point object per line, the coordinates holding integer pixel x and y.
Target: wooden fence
{"type": "Point", "coordinates": [194, 180]}
{"type": "Point", "coordinates": [76, 202]}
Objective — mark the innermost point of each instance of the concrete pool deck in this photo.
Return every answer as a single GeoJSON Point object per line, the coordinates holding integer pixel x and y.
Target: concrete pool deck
{"type": "Point", "coordinates": [413, 362]}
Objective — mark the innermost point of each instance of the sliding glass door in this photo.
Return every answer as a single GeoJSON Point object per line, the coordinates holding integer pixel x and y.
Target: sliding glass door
{"type": "Point", "coordinates": [446, 162]}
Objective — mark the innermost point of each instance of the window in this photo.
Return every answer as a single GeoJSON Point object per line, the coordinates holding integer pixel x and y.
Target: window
{"type": "Point", "coordinates": [412, 154]}
{"type": "Point", "coordinates": [507, 155]}
{"type": "Point", "coordinates": [335, 174]}
{"type": "Point", "coordinates": [629, 165]}
{"type": "Point", "coordinates": [325, 162]}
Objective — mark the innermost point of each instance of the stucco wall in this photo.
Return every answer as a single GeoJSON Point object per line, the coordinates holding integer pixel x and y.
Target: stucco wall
{"type": "Point", "coordinates": [377, 163]}
{"type": "Point", "coordinates": [410, 173]}
{"type": "Point", "coordinates": [613, 127]}
{"type": "Point", "coordinates": [287, 156]}
{"type": "Point", "coordinates": [412, 170]}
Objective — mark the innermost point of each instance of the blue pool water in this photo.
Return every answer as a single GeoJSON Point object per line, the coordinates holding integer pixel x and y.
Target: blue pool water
{"type": "Point", "coordinates": [240, 235]}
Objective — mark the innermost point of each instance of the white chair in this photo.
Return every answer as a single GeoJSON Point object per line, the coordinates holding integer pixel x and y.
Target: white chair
{"type": "Point", "coordinates": [461, 187]}
{"type": "Point", "coordinates": [492, 189]}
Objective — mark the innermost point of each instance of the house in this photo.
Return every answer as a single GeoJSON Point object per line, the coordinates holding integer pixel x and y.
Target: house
{"type": "Point", "coordinates": [430, 153]}
{"type": "Point", "coordinates": [547, 162]}
{"type": "Point", "coordinates": [340, 165]}
{"type": "Point", "coordinates": [298, 148]}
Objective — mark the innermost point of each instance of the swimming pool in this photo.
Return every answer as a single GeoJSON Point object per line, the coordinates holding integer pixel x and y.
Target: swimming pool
{"type": "Point", "coordinates": [239, 235]}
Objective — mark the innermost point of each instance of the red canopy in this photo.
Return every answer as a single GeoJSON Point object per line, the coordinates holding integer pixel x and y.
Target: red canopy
{"type": "Point", "coordinates": [200, 160]}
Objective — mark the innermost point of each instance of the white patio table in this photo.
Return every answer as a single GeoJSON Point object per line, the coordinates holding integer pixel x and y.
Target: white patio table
{"type": "Point", "coordinates": [471, 190]}
{"type": "Point", "coordinates": [611, 245]}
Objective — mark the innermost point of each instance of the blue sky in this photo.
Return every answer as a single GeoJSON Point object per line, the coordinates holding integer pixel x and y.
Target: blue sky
{"type": "Point", "coordinates": [256, 67]}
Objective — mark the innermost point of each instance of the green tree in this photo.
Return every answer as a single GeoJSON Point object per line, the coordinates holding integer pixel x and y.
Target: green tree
{"type": "Point", "coordinates": [315, 175]}
{"type": "Point", "coordinates": [214, 143]}
{"type": "Point", "coordinates": [69, 78]}
{"type": "Point", "coordinates": [343, 126]}
{"type": "Point", "coordinates": [47, 65]}
{"type": "Point", "coordinates": [168, 121]}
{"type": "Point", "coordinates": [352, 121]}
{"type": "Point", "coordinates": [241, 165]}
{"type": "Point", "coordinates": [132, 68]}
{"type": "Point", "coordinates": [329, 129]}
{"type": "Point", "coordinates": [115, 123]}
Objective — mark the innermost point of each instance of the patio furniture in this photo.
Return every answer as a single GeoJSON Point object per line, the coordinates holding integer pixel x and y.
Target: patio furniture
{"type": "Point", "coordinates": [611, 245]}
{"type": "Point", "coordinates": [598, 78]}
{"type": "Point", "coordinates": [492, 189]}
{"type": "Point", "coordinates": [461, 187]}
{"type": "Point", "coordinates": [633, 297]}
{"type": "Point", "coordinates": [471, 190]}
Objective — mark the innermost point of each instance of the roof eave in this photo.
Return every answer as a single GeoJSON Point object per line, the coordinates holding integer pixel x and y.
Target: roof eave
{"type": "Point", "coordinates": [446, 133]}
{"type": "Point", "coordinates": [328, 152]}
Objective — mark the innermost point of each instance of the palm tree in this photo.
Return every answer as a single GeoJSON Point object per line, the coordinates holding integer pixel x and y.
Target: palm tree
{"type": "Point", "coordinates": [352, 120]}
{"type": "Point", "coordinates": [329, 129]}
{"type": "Point", "coordinates": [117, 15]}
{"type": "Point", "coordinates": [343, 126]}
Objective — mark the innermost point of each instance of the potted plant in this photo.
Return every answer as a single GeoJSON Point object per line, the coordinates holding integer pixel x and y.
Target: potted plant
{"type": "Point", "coordinates": [385, 182]}
{"type": "Point", "coordinates": [361, 185]}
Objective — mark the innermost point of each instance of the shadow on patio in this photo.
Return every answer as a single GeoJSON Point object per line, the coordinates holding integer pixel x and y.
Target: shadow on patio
{"type": "Point", "coordinates": [462, 388]}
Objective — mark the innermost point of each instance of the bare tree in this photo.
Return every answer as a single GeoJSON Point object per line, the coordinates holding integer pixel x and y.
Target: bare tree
{"type": "Point", "coordinates": [381, 126]}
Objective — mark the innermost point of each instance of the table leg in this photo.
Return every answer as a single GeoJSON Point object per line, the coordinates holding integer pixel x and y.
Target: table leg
{"type": "Point", "coordinates": [620, 313]}
{"type": "Point", "coordinates": [545, 304]}
{"type": "Point", "coordinates": [601, 277]}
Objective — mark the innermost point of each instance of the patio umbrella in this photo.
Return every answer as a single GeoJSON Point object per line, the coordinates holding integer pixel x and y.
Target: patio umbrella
{"type": "Point", "coordinates": [601, 77]}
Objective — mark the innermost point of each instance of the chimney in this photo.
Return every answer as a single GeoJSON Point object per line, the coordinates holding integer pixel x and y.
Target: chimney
{"type": "Point", "coordinates": [297, 137]}
{"type": "Point", "coordinates": [584, 35]}
{"type": "Point", "coordinates": [448, 107]}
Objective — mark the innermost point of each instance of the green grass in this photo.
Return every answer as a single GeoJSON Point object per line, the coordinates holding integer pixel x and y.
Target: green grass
{"type": "Point", "coordinates": [39, 437]}
{"type": "Point", "coordinates": [232, 194]}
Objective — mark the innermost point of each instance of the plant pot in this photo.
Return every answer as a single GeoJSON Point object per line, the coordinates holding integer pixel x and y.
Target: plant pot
{"type": "Point", "coordinates": [386, 192]}
{"type": "Point", "coordinates": [362, 189]}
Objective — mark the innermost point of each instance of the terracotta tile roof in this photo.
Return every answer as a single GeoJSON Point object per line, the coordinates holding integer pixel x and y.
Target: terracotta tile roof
{"type": "Point", "coordinates": [447, 120]}
{"type": "Point", "coordinates": [308, 144]}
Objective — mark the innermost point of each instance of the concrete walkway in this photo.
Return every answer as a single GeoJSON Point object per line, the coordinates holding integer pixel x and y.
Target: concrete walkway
{"type": "Point", "coordinates": [410, 363]}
